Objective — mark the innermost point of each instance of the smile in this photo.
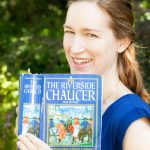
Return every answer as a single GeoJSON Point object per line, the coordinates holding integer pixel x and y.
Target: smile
{"type": "Point", "coordinates": [81, 60]}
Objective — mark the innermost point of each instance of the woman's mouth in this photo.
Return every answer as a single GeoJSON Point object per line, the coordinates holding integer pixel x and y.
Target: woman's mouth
{"type": "Point", "coordinates": [80, 61]}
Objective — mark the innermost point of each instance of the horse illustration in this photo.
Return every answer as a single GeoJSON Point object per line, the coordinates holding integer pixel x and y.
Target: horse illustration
{"type": "Point", "coordinates": [35, 131]}
{"type": "Point", "coordinates": [69, 127]}
{"type": "Point", "coordinates": [85, 132]}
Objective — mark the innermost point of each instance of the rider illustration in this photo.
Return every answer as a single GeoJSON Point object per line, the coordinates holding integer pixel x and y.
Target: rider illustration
{"type": "Point", "coordinates": [85, 124]}
{"type": "Point", "coordinates": [34, 124]}
{"type": "Point", "coordinates": [51, 126]}
{"type": "Point", "coordinates": [76, 126]}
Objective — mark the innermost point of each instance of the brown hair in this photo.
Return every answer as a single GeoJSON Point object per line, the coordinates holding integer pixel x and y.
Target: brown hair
{"type": "Point", "coordinates": [122, 21]}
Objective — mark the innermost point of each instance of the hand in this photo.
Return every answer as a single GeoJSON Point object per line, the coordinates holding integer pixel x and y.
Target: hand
{"type": "Point", "coordinates": [16, 127]}
{"type": "Point", "coordinates": [30, 142]}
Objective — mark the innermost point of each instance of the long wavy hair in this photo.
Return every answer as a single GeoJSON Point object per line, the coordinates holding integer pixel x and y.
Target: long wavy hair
{"type": "Point", "coordinates": [122, 22]}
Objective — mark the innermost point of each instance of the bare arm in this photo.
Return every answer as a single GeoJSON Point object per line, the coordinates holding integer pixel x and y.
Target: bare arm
{"type": "Point", "coordinates": [138, 135]}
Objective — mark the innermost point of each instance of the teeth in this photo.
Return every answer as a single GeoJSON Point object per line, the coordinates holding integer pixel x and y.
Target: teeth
{"type": "Point", "coordinates": [81, 60]}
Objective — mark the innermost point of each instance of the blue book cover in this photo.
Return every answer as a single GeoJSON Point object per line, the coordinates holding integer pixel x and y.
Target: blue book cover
{"type": "Point", "coordinates": [31, 94]}
{"type": "Point", "coordinates": [71, 111]}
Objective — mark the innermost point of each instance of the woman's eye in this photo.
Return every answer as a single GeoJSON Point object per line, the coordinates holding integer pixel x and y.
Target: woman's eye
{"type": "Point", "coordinates": [69, 32]}
{"type": "Point", "coordinates": [92, 35]}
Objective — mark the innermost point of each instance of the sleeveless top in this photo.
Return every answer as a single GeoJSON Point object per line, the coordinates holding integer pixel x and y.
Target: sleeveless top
{"type": "Point", "coordinates": [118, 117]}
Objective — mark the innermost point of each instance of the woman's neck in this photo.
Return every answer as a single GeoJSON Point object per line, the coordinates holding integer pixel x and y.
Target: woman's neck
{"type": "Point", "coordinates": [113, 88]}
{"type": "Point", "coordinates": [110, 83]}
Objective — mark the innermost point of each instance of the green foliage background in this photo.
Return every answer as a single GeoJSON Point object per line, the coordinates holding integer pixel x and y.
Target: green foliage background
{"type": "Point", "coordinates": [31, 35]}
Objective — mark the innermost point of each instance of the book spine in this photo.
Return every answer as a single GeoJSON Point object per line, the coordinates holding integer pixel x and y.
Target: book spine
{"type": "Point", "coordinates": [31, 93]}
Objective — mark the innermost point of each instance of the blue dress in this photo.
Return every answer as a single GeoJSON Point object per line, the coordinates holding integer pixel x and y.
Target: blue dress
{"type": "Point", "coordinates": [118, 117]}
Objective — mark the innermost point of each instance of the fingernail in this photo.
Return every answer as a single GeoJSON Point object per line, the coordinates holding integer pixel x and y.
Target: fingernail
{"type": "Point", "coordinates": [18, 143]}
{"type": "Point", "coordinates": [28, 134]}
{"type": "Point", "coordinates": [19, 137]}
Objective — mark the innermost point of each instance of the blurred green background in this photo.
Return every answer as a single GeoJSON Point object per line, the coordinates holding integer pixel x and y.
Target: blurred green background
{"type": "Point", "coordinates": [31, 33]}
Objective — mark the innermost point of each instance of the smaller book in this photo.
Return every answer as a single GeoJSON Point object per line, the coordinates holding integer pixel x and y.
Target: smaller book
{"type": "Point", "coordinates": [31, 94]}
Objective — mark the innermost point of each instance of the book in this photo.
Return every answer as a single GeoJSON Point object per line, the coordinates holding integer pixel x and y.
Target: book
{"type": "Point", "coordinates": [69, 106]}
{"type": "Point", "coordinates": [30, 99]}
{"type": "Point", "coordinates": [71, 112]}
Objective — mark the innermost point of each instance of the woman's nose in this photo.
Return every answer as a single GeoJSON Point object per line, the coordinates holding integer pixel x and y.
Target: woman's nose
{"type": "Point", "coordinates": [77, 45]}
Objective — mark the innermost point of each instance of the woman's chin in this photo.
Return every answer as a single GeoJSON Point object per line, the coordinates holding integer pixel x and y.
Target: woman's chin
{"type": "Point", "coordinates": [81, 72]}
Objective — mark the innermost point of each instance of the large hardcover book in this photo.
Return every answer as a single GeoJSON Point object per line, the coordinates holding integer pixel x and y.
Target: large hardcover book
{"type": "Point", "coordinates": [68, 107]}
{"type": "Point", "coordinates": [71, 112]}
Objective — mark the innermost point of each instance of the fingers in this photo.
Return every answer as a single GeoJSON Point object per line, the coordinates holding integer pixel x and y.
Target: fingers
{"type": "Point", "coordinates": [21, 146]}
{"type": "Point", "coordinates": [26, 143]}
{"type": "Point", "coordinates": [30, 142]}
{"type": "Point", "coordinates": [36, 141]}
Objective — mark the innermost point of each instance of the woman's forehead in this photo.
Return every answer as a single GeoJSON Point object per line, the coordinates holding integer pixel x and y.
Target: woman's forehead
{"type": "Point", "coordinates": [86, 14]}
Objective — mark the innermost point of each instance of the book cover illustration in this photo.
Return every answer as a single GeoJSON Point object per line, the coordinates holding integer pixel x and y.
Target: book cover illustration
{"type": "Point", "coordinates": [71, 111]}
{"type": "Point", "coordinates": [70, 125]}
{"type": "Point", "coordinates": [30, 103]}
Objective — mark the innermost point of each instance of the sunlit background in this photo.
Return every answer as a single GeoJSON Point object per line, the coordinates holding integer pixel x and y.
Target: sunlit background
{"type": "Point", "coordinates": [31, 33]}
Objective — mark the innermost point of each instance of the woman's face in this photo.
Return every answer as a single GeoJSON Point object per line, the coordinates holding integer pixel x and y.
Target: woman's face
{"type": "Point", "coordinates": [89, 43]}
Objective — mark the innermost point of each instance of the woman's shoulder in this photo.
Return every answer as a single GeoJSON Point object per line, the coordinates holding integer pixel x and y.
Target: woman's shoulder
{"type": "Point", "coordinates": [125, 110]}
{"type": "Point", "coordinates": [133, 139]}
{"type": "Point", "coordinates": [121, 114]}
{"type": "Point", "coordinates": [126, 104]}
{"type": "Point", "coordinates": [134, 110]}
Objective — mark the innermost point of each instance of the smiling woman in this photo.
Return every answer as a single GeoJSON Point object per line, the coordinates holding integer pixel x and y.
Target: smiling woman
{"type": "Point", "coordinates": [86, 39]}
{"type": "Point", "coordinates": [99, 39]}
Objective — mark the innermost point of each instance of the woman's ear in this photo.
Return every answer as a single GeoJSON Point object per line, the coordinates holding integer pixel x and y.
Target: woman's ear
{"type": "Point", "coordinates": [124, 44]}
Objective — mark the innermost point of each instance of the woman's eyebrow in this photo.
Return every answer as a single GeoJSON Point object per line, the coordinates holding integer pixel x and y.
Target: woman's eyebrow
{"type": "Point", "coordinates": [91, 29]}
{"type": "Point", "coordinates": [66, 26]}
{"type": "Point", "coordinates": [83, 29]}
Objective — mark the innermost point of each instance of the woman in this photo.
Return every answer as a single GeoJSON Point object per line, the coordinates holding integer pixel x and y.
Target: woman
{"type": "Point", "coordinates": [99, 39]}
